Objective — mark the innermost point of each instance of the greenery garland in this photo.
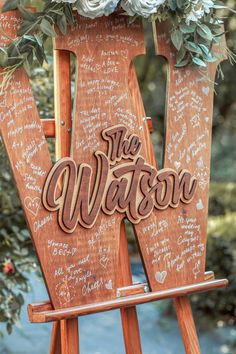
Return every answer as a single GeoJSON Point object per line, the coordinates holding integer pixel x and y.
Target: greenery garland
{"type": "Point", "coordinates": [195, 27]}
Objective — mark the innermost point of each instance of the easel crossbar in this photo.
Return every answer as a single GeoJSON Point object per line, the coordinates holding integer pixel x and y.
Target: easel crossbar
{"type": "Point", "coordinates": [40, 313]}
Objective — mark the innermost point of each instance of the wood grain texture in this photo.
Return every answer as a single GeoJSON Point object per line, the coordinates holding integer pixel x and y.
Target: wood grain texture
{"type": "Point", "coordinates": [129, 316]}
{"type": "Point", "coordinates": [187, 325]}
{"type": "Point", "coordinates": [189, 113]}
{"type": "Point", "coordinates": [136, 288]}
{"type": "Point", "coordinates": [65, 335]}
{"type": "Point", "coordinates": [69, 336]}
{"type": "Point", "coordinates": [49, 128]}
{"type": "Point", "coordinates": [100, 76]}
{"type": "Point", "coordinates": [102, 95]}
{"type": "Point", "coordinates": [58, 315]}
{"type": "Point", "coordinates": [55, 346]}
{"type": "Point", "coordinates": [26, 147]}
{"type": "Point", "coordinates": [63, 108]}
{"type": "Point", "coordinates": [176, 239]}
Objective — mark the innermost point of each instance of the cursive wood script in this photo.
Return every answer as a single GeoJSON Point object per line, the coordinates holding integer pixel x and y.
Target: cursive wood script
{"type": "Point", "coordinates": [134, 188]}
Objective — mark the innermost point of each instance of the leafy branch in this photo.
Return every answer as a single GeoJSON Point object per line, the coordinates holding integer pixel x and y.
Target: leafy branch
{"type": "Point", "coordinates": [34, 31]}
{"type": "Point", "coordinates": [192, 35]}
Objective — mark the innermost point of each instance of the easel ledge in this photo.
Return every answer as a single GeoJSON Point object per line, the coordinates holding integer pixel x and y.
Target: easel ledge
{"type": "Point", "coordinates": [43, 312]}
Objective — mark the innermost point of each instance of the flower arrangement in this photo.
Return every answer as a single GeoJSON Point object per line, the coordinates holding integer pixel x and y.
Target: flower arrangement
{"type": "Point", "coordinates": [196, 27]}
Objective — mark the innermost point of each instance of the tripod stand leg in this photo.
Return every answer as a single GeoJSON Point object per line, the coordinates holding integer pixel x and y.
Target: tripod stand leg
{"type": "Point", "coordinates": [131, 330]}
{"type": "Point", "coordinates": [65, 337]}
{"type": "Point", "coordinates": [55, 347]}
{"type": "Point", "coordinates": [128, 315]}
{"type": "Point", "coordinates": [187, 325]}
{"type": "Point", "coordinates": [69, 336]}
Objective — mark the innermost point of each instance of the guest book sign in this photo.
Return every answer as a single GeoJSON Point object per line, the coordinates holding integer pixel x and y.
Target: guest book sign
{"type": "Point", "coordinates": [75, 208]}
{"type": "Point", "coordinates": [132, 188]}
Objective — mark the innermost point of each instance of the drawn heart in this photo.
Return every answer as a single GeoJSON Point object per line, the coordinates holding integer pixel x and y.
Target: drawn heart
{"type": "Point", "coordinates": [177, 165]}
{"type": "Point", "coordinates": [104, 261]}
{"type": "Point", "coordinates": [124, 53]}
{"type": "Point", "coordinates": [206, 90]}
{"type": "Point", "coordinates": [108, 285]}
{"type": "Point", "coordinates": [32, 205]}
{"type": "Point", "coordinates": [161, 276]}
{"type": "Point", "coordinates": [199, 205]}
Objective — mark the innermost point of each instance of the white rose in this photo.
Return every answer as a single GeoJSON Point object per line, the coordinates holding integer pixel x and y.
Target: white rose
{"type": "Point", "coordinates": [96, 8]}
{"type": "Point", "coordinates": [144, 8]}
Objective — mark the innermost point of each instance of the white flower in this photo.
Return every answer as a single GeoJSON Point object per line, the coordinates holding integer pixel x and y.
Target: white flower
{"type": "Point", "coordinates": [198, 9]}
{"type": "Point", "coordinates": [96, 8]}
{"type": "Point", "coordinates": [207, 5]}
{"type": "Point", "coordinates": [143, 8]}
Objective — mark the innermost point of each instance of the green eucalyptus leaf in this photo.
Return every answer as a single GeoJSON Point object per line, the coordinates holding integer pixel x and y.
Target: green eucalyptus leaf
{"type": "Point", "coordinates": [204, 48]}
{"type": "Point", "coordinates": [172, 4]}
{"type": "Point", "coordinates": [27, 15]}
{"type": "Point", "coordinates": [183, 63]}
{"type": "Point", "coordinates": [192, 47]}
{"type": "Point", "coordinates": [38, 39]}
{"type": "Point", "coordinates": [3, 57]}
{"type": "Point", "coordinates": [40, 55]}
{"type": "Point", "coordinates": [29, 38]}
{"type": "Point", "coordinates": [187, 28]}
{"type": "Point", "coordinates": [181, 55]}
{"type": "Point", "coordinates": [205, 32]}
{"type": "Point", "coordinates": [47, 28]}
{"type": "Point", "coordinates": [197, 61]}
{"type": "Point", "coordinates": [177, 38]}
{"type": "Point", "coordinates": [10, 5]}
{"type": "Point", "coordinates": [62, 24]}
{"type": "Point", "coordinates": [27, 27]}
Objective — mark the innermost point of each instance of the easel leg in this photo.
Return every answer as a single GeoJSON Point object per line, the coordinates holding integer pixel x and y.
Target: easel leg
{"type": "Point", "coordinates": [131, 331]}
{"type": "Point", "coordinates": [128, 315]}
{"type": "Point", "coordinates": [69, 336]}
{"type": "Point", "coordinates": [65, 337]}
{"type": "Point", "coordinates": [187, 325]}
{"type": "Point", "coordinates": [55, 347]}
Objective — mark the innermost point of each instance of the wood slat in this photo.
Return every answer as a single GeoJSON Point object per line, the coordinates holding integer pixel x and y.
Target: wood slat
{"type": "Point", "coordinates": [69, 336]}
{"type": "Point", "coordinates": [126, 291]}
{"type": "Point", "coordinates": [187, 325]}
{"type": "Point", "coordinates": [56, 315]}
{"type": "Point", "coordinates": [65, 335]}
{"type": "Point", "coordinates": [55, 346]}
{"type": "Point", "coordinates": [129, 316]}
{"type": "Point", "coordinates": [62, 87]}
{"type": "Point", "coordinates": [49, 128]}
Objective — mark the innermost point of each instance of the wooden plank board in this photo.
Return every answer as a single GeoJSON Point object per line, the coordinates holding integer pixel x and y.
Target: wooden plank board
{"type": "Point", "coordinates": [37, 316]}
{"type": "Point", "coordinates": [103, 70]}
{"type": "Point", "coordinates": [26, 146]}
{"type": "Point", "coordinates": [189, 111]}
{"type": "Point", "coordinates": [104, 101]}
{"type": "Point", "coordinates": [68, 330]}
{"type": "Point", "coordinates": [187, 325]}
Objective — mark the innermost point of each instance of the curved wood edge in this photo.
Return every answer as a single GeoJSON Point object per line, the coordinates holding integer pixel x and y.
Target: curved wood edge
{"type": "Point", "coordinates": [58, 315]}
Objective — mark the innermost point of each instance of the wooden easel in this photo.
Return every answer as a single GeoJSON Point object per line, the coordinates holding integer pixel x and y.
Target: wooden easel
{"type": "Point", "coordinates": [65, 318]}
